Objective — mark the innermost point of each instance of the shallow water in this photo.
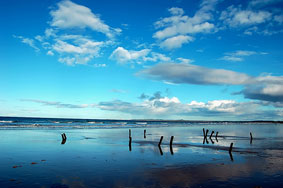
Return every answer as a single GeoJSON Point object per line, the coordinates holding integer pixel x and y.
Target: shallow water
{"type": "Point", "coordinates": [101, 157]}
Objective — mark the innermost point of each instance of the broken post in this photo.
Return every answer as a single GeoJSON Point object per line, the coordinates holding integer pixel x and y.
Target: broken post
{"type": "Point", "coordinates": [251, 139]}
{"type": "Point", "coordinates": [144, 134]}
{"type": "Point", "coordinates": [64, 138]}
{"type": "Point", "coordinates": [130, 135]}
{"type": "Point", "coordinates": [130, 143]}
{"type": "Point", "coordinates": [160, 141]}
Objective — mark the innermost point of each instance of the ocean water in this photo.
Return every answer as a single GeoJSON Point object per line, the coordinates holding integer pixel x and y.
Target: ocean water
{"type": "Point", "coordinates": [24, 122]}
{"type": "Point", "coordinates": [97, 153]}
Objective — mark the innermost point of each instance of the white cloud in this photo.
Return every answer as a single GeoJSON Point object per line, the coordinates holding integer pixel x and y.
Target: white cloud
{"type": "Point", "coordinates": [191, 74]}
{"type": "Point", "coordinates": [62, 39]}
{"type": "Point", "coordinates": [180, 25]}
{"type": "Point", "coordinates": [167, 107]}
{"type": "Point", "coordinates": [279, 18]}
{"type": "Point", "coordinates": [58, 104]}
{"type": "Point", "coordinates": [235, 17]}
{"type": "Point", "coordinates": [184, 60]}
{"type": "Point", "coordinates": [28, 41]}
{"type": "Point", "coordinates": [237, 55]}
{"type": "Point", "coordinates": [157, 57]}
{"type": "Point", "coordinates": [77, 51]}
{"type": "Point", "coordinates": [122, 55]}
{"type": "Point", "coordinates": [175, 42]}
{"type": "Point", "coordinates": [266, 88]}
{"type": "Point", "coordinates": [50, 53]}
{"type": "Point", "coordinates": [71, 15]}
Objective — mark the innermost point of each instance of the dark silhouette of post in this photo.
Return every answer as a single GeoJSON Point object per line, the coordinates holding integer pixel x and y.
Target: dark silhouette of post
{"type": "Point", "coordinates": [206, 133]}
{"type": "Point", "coordinates": [130, 143]}
{"type": "Point", "coordinates": [64, 138]}
{"type": "Point", "coordinates": [171, 143]}
{"type": "Point", "coordinates": [211, 135]}
{"type": "Point", "coordinates": [231, 147]}
{"type": "Point", "coordinates": [230, 151]}
{"type": "Point", "coordinates": [160, 141]}
{"type": "Point", "coordinates": [251, 138]}
{"type": "Point", "coordinates": [144, 134]}
{"type": "Point", "coordinates": [160, 150]}
{"type": "Point", "coordinates": [130, 134]}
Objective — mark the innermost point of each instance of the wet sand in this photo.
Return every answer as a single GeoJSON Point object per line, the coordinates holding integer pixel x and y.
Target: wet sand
{"type": "Point", "coordinates": [102, 157]}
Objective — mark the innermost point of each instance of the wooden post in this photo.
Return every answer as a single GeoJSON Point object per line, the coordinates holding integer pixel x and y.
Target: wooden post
{"type": "Point", "coordinates": [160, 141]}
{"type": "Point", "coordinates": [206, 133]}
{"type": "Point", "coordinates": [144, 134]}
{"type": "Point", "coordinates": [211, 134]}
{"type": "Point", "coordinates": [231, 147]}
{"type": "Point", "coordinates": [171, 140]}
{"type": "Point", "coordinates": [130, 143]}
{"type": "Point", "coordinates": [171, 143]}
{"type": "Point", "coordinates": [251, 139]}
{"type": "Point", "coordinates": [130, 135]}
{"type": "Point", "coordinates": [160, 150]}
{"type": "Point", "coordinates": [64, 138]}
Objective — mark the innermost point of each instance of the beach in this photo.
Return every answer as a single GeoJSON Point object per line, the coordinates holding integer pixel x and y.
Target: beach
{"type": "Point", "coordinates": [102, 157]}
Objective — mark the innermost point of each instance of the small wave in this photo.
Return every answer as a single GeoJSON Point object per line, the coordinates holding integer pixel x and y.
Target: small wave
{"type": "Point", "coordinates": [2, 121]}
{"type": "Point", "coordinates": [141, 123]}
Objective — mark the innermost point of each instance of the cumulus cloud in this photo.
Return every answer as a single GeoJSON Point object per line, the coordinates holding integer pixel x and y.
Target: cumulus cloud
{"type": "Point", "coordinates": [61, 40]}
{"type": "Point", "coordinates": [159, 106]}
{"type": "Point", "coordinates": [237, 55]}
{"type": "Point", "coordinates": [122, 55]}
{"type": "Point", "coordinates": [266, 88]}
{"type": "Point", "coordinates": [180, 26]}
{"type": "Point", "coordinates": [235, 16]}
{"type": "Point", "coordinates": [178, 73]}
{"type": "Point", "coordinates": [175, 42]}
{"type": "Point", "coordinates": [71, 15]}
{"type": "Point", "coordinates": [58, 104]}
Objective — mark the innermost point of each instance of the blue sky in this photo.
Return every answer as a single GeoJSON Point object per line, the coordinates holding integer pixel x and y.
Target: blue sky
{"type": "Point", "coordinates": [167, 59]}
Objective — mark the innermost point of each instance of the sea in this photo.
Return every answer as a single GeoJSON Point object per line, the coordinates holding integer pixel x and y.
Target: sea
{"type": "Point", "coordinates": [31, 122]}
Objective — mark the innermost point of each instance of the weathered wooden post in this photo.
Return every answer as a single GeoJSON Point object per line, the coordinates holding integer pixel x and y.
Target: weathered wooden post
{"type": "Point", "coordinates": [171, 143]}
{"type": "Point", "coordinates": [230, 151]}
{"type": "Point", "coordinates": [144, 134]}
{"type": "Point", "coordinates": [206, 133]}
{"type": "Point", "coordinates": [130, 143]}
{"type": "Point", "coordinates": [160, 141]}
{"type": "Point", "coordinates": [251, 138]}
{"type": "Point", "coordinates": [64, 138]}
{"type": "Point", "coordinates": [130, 134]}
{"type": "Point", "coordinates": [231, 147]}
{"type": "Point", "coordinates": [211, 135]}
{"type": "Point", "coordinates": [216, 136]}
{"type": "Point", "coordinates": [160, 150]}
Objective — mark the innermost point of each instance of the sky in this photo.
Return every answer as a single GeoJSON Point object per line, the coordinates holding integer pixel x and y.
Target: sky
{"type": "Point", "coordinates": [132, 59]}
